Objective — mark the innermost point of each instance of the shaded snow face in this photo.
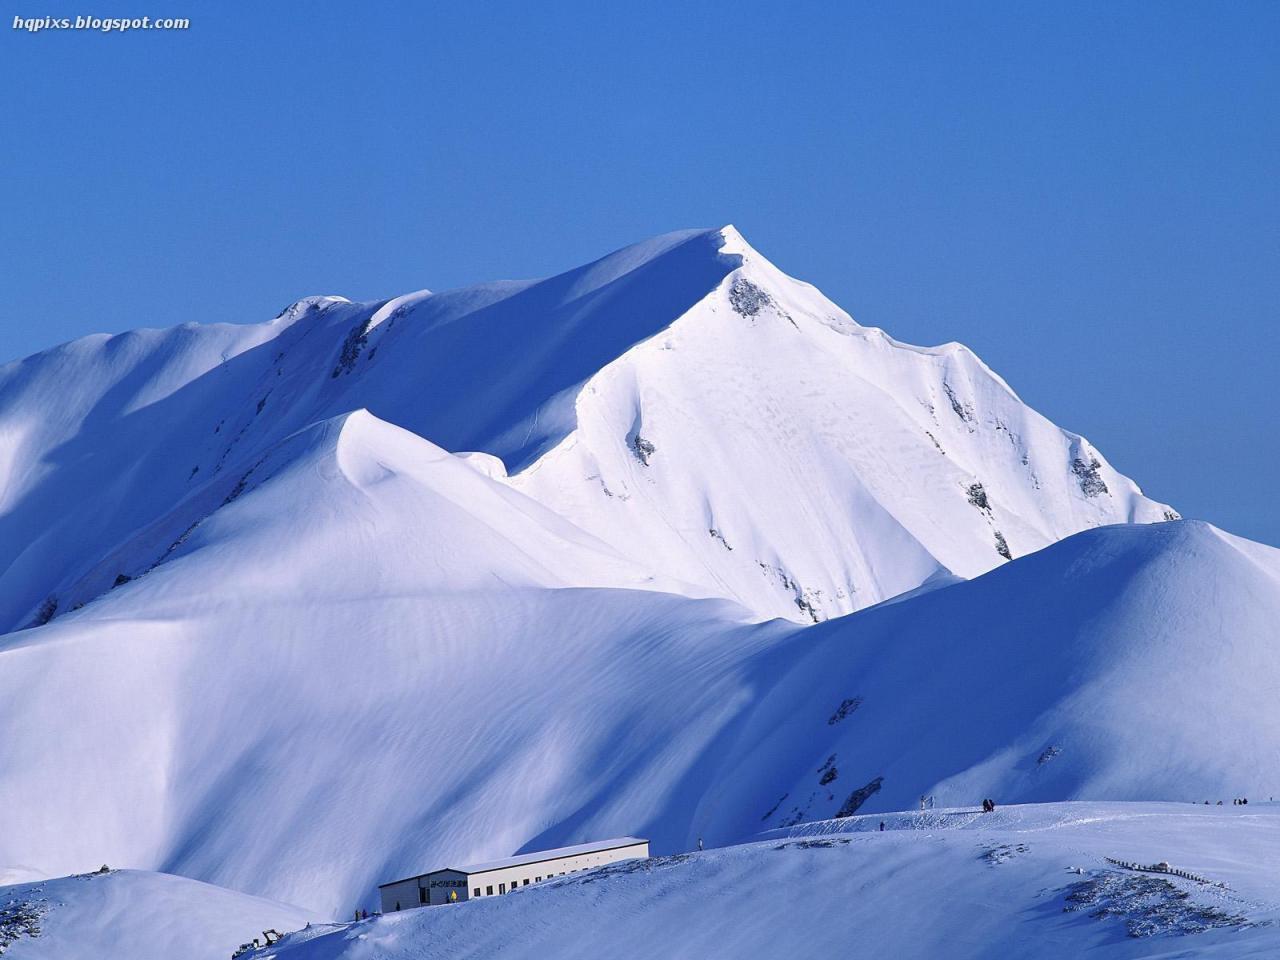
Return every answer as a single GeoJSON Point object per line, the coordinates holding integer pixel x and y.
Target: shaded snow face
{"type": "Point", "coordinates": [681, 384]}
{"type": "Point", "coordinates": [286, 609]}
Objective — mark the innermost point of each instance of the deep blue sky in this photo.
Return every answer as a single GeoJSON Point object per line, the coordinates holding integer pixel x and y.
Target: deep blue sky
{"type": "Point", "coordinates": [1085, 193]}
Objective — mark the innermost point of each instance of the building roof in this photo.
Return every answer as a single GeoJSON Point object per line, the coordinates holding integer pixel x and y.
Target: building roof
{"type": "Point", "coordinates": [537, 856]}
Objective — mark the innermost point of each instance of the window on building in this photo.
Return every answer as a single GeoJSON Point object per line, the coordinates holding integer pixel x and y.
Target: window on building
{"type": "Point", "coordinates": [488, 891]}
{"type": "Point", "coordinates": [422, 894]}
{"type": "Point", "coordinates": [537, 879]}
{"type": "Point", "coordinates": [477, 892]}
{"type": "Point", "coordinates": [526, 882]}
{"type": "Point", "coordinates": [502, 888]}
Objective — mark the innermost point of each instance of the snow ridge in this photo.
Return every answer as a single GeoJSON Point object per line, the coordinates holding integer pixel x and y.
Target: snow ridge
{"type": "Point", "coordinates": [533, 562]}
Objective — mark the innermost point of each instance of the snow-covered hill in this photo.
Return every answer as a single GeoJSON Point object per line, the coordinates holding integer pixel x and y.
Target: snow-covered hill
{"type": "Point", "coordinates": [134, 914]}
{"type": "Point", "coordinates": [682, 399]}
{"type": "Point", "coordinates": [1129, 662]}
{"type": "Point", "coordinates": [285, 634]}
{"type": "Point", "coordinates": [1024, 882]}
{"type": "Point", "coordinates": [372, 658]}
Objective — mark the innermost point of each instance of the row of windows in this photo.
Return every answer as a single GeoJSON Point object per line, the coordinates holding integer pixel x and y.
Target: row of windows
{"type": "Point", "coordinates": [424, 893]}
{"type": "Point", "coordinates": [502, 887]}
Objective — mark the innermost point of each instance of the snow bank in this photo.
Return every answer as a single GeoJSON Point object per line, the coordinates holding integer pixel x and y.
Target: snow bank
{"type": "Point", "coordinates": [1033, 883]}
{"type": "Point", "coordinates": [134, 914]}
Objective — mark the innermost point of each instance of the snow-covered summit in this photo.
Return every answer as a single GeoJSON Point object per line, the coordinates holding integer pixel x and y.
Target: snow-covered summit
{"type": "Point", "coordinates": [525, 564]}
{"type": "Point", "coordinates": [681, 400]}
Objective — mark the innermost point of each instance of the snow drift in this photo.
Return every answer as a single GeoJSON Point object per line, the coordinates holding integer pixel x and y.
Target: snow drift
{"type": "Point", "coordinates": [1026, 882]}
{"type": "Point", "coordinates": [376, 657]}
{"type": "Point", "coordinates": [278, 637]}
{"type": "Point", "coordinates": [134, 914]}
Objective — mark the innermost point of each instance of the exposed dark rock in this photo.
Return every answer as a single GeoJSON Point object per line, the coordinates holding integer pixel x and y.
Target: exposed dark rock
{"type": "Point", "coordinates": [18, 919]}
{"type": "Point", "coordinates": [814, 843]}
{"type": "Point", "coordinates": [978, 497]}
{"type": "Point", "coordinates": [1091, 482]}
{"type": "Point", "coordinates": [1148, 906]}
{"type": "Point", "coordinates": [774, 808]}
{"type": "Point", "coordinates": [1002, 547]}
{"type": "Point", "coordinates": [182, 538]}
{"type": "Point", "coordinates": [1003, 852]}
{"type": "Point", "coordinates": [643, 449]}
{"type": "Point", "coordinates": [1048, 754]}
{"type": "Point", "coordinates": [807, 607]}
{"type": "Point", "coordinates": [962, 410]}
{"type": "Point", "coordinates": [747, 299]}
{"type": "Point", "coordinates": [350, 351]}
{"type": "Point", "coordinates": [847, 706]}
{"type": "Point", "coordinates": [859, 797]}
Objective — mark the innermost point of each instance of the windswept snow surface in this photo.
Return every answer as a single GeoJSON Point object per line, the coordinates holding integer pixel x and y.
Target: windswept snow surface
{"type": "Point", "coordinates": [681, 399]}
{"type": "Point", "coordinates": [1024, 882]}
{"type": "Point", "coordinates": [134, 914]}
{"type": "Point", "coordinates": [1129, 662]}
{"type": "Point", "coordinates": [279, 709]}
{"type": "Point", "coordinates": [292, 627]}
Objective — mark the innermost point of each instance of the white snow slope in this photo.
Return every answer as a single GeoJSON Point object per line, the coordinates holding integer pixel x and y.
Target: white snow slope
{"type": "Point", "coordinates": [681, 399]}
{"type": "Point", "coordinates": [366, 663]}
{"type": "Point", "coordinates": [133, 914]}
{"type": "Point", "coordinates": [955, 884]}
{"type": "Point", "coordinates": [288, 644]}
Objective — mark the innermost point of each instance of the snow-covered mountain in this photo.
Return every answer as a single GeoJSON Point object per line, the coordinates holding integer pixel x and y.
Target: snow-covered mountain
{"type": "Point", "coordinates": [302, 606]}
{"type": "Point", "coordinates": [1024, 883]}
{"type": "Point", "coordinates": [134, 914]}
{"type": "Point", "coordinates": [682, 400]}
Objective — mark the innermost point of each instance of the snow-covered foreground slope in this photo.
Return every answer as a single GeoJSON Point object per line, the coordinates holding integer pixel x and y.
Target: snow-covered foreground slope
{"type": "Point", "coordinates": [1129, 662]}
{"type": "Point", "coordinates": [373, 658]}
{"type": "Point", "coordinates": [371, 649]}
{"type": "Point", "coordinates": [133, 914]}
{"type": "Point", "coordinates": [284, 634]}
{"type": "Point", "coordinates": [955, 884]}
{"type": "Point", "coordinates": [682, 400]}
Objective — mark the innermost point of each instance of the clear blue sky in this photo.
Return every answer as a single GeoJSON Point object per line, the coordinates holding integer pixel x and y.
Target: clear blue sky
{"type": "Point", "coordinates": [1085, 193]}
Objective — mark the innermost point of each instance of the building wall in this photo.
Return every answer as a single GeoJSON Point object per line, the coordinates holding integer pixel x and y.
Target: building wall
{"type": "Point", "coordinates": [434, 888]}
{"type": "Point", "coordinates": [440, 883]}
{"type": "Point", "coordinates": [400, 896]}
{"type": "Point", "coordinates": [530, 873]}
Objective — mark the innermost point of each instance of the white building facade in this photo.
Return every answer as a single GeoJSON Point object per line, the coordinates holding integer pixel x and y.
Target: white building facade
{"type": "Point", "coordinates": [498, 877]}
